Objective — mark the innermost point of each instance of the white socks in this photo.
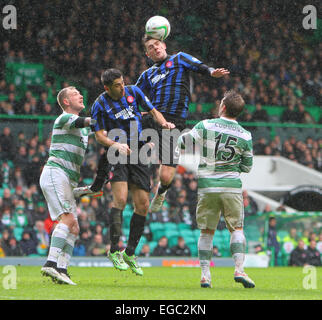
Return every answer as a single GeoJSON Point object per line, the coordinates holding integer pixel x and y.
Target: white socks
{"type": "Point", "coordinates": [67, 252]}
{"type": "Point", "coordinates": [61, 246]}
{"type": "Point", "coordinates": [205, 253]}
{"type": "Point", "coordinates": [238, 248]}
{"type": "Point", "coordinates": [58, 240]}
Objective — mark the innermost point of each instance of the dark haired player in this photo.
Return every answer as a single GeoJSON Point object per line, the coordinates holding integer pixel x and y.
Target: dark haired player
{"type": "Point", "coordinates": [166, 83]}
{"type": "Point", "coordinates": [117, 108]}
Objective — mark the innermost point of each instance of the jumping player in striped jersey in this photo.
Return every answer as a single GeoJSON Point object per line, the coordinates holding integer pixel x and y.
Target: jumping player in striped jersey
{"type": "Point", "coordinates": [225, 152]}
{"type": "Point", "coordinates": [117, 113]}
{"type": "Point", "coordinates": [58, 178]}
{"type": "Point", "coordinates": [167, 84]}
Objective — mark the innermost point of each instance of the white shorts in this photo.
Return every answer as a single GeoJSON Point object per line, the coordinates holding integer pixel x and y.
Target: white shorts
{"type": "Point", "coordinates": [58, 191]}
{"type": "Point", "coordinates": [211, 205]}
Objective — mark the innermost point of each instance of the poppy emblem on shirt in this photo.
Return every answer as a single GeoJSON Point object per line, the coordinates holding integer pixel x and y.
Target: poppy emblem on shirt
{"type": "Point", "coordinates": [130, 99]}
{"type": "Point", "coordinates": [169, 64]}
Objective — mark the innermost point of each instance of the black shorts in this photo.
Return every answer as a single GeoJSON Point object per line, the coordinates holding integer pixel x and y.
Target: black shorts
{"type": "Point", "coordinates": [168, 150]}
{"type": "Point", "coordinates": [138, 174]}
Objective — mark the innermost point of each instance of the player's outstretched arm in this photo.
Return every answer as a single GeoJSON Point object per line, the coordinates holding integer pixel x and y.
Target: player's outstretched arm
{"type": "Point", "coordinates": [82, 122]}
{"type": "Point", "coordinates": [159, 118]}
{"type": "Point", "coordinates": [195, 64]}
{"type": "Point", "coordinates": [219, 72]}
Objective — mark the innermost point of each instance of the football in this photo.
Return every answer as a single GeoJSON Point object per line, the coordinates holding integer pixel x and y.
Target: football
{"type": "Point", "coordinates": [158, 28]}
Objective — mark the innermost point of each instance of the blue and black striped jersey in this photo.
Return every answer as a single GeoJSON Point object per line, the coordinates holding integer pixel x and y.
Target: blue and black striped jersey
{"type": "Point", "coordinates": [167, 83]}
{"type": "Point", "coordinates": [122, 114]}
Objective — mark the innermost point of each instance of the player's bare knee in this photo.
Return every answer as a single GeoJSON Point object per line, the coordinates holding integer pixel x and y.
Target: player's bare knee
{"type": "Point", "coordinates": [120, 203]}
{"type": "Point", "coordinates": [145, 208]}
{"type": "Point", "coordinates": [142, 211]}
{"type": "Point", "coordinates": [142, 207]}
{"type": "Point", "coordinates": [166, 175]}
{"type": "Point", "coordinates": [231, 230]}
{"type": "Point", "coordinates": [166, 179]}
{"type": "Point", "coordinates": [208, 231]}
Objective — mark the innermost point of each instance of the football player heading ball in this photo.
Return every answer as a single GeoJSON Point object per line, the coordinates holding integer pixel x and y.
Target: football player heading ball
{"type": "Point", "coordinates": [167, 85]}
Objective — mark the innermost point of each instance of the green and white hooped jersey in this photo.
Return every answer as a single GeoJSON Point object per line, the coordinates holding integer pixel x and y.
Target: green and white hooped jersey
{"type": "Point", "coordinates": [225, 151]}
{"type": "Point", "coordinates": [68, 145]}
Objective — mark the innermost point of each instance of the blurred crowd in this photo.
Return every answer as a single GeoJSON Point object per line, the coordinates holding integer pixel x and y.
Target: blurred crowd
{"type": "Point", "coordinates": [296, 247]}
{"type": "Point", "coordinates": [307, 153]}
{"type": "Point", "coordinates": [270, 60]}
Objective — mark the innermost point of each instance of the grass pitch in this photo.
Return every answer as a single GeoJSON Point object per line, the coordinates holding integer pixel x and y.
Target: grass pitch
{"type": "Point", "coordinates": [162, 283]}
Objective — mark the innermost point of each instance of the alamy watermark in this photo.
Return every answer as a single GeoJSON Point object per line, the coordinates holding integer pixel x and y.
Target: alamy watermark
{"type": "Point", "coordinates": [141, 151]}
{"type": "Point", "coordinates": [145, 146]}
{"type": "Point", "coordinates": [10, 279]}
{"type": "Point", "coordinates": [9, 21]}
{"type": "Point", "coordinates": [310, 281]}
{"type": "Point", "coordinates": [310, 20]}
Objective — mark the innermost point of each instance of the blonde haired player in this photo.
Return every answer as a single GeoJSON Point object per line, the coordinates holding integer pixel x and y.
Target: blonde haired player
{"type": "Point", "coordinates": [60, 176]}
{"type": "Point", "coordinates": [226, 151]}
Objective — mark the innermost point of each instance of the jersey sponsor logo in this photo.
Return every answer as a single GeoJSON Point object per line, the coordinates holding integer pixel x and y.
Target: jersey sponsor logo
{"type": "Point", "coordinates": [169, 64]}
{"type": "Point", "coordinates": [130, 99]}
{"type": "Point", "coordinates": [126, 113]}
{"type": "Point", "coordinates": [159, 77]}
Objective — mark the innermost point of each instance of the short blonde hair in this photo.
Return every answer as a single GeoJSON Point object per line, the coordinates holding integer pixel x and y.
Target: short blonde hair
{"type": "Point", "coordinates": [63, 94]}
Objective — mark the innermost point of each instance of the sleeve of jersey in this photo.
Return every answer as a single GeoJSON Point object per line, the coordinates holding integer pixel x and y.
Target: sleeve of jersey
{"type": "Point", "coordinates": [66, 122]}
{"type": "Point", "coordinates": [187, 140]}
{"type": "Point", "coordinates": [143, 83]}
{"type": "Point", "coordinates": [247, 158]}
{"type": "Point", "coordinates": [97, 114]}
{"type": "Point", "coordinates": [194, 64]}
{"type": "Point", "coordinates": [142, 99]}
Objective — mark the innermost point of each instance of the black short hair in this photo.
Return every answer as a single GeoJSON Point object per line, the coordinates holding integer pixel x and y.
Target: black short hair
{"type": "Point", "coordinates": [109, 75]}
{"type": "Point", "coordinates": [146, 38]}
